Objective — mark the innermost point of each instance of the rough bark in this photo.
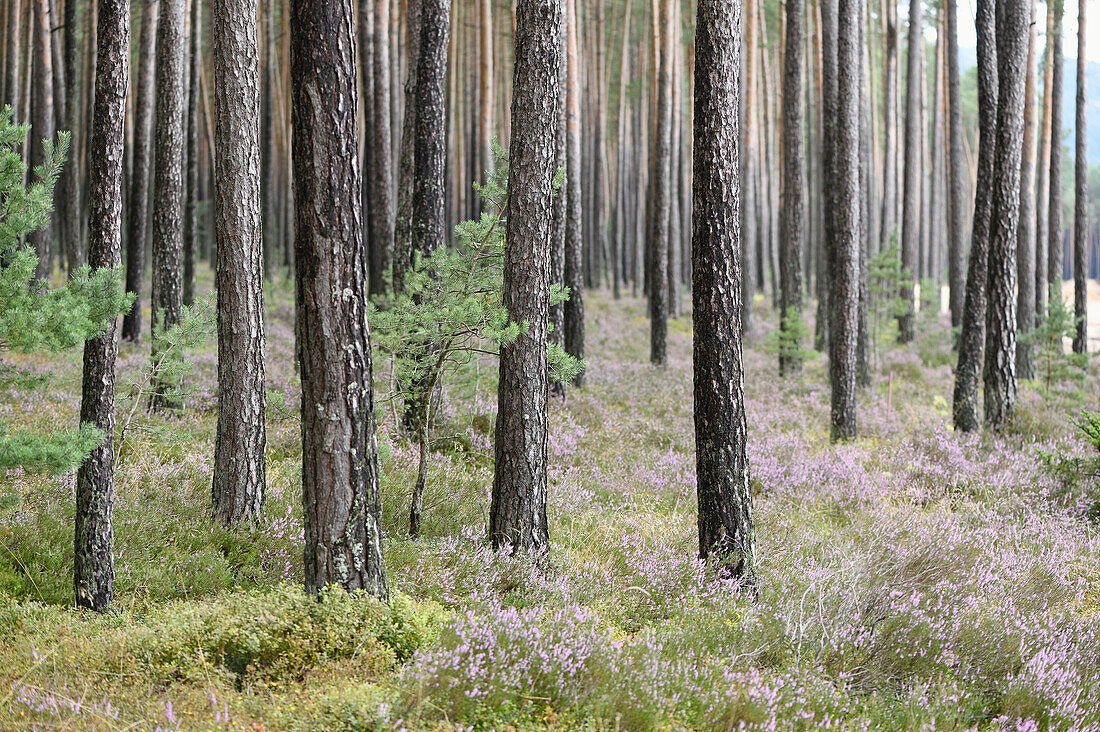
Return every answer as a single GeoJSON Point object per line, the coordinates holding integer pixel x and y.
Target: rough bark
{"type": "Point", "coordinates": [239, 467]}
{"type": "Point", "coordinates": [429, 186]}
{"type": "Point", "coordinates": [11, 50]}
{"type": "Point", "coordinates": [557, 239]}
{"type": "Point", "coordinates": [791, 233]}
{"type": "Point", "coordinates": [972, 336]}
{"type": "Point", "coordinates": [381, 252]}
{"type": "Point", "coordinates": [727, 535]}
{"type": "Point", "coordinates": [1081, 197]}
{"type": "Point", "coordinates": [403, 227]}
{"type": "Point", "coordinates": [517, 518]}
{"type": "Point", "coordinates": [1025, 232]}
{"type": "Point", "coordinates": [69, 186]}
{"type": "Point", "coordinates": [658, 288]}
{"type": "Point", "coordinates": [93, 565]}
{"type": "Point", "coordinates": [341, 508]}
{"type": "Point", "coordinates": [1000, 314]}
{"type": "Point", "coordinates": [910, 219]}
{"type": "Point", "coordinates": [574, 244]}
{"type": "Point", "coordinates": [956, 181]}
{"type": "Point", "coordinates": [747, 142]}
{"type": "Point", "coordinates": [138, 202]}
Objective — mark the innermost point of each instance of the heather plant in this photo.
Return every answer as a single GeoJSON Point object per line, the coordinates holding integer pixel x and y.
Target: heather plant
{"type": "Point", "coordinates": [449, 314]}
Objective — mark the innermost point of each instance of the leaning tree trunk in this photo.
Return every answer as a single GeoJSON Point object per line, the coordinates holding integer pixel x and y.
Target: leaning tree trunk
{"type": "Point", "coordinates": [341, 506]}
{"type": "Point", "coordinates": [972, 336]}
{"type": "Point", "coordinates": [517, 518]}
{"type": "Point", "coordinates": [910, 218]}
{"type": "Point", "coordinates": [727, 534]}
{"type": "Point", "coordinates": [1054, 215]}
{"type": "Point", "coordinates": [956, 180]}
{"type": "Point", "coordinates": [167, 294]}
{"type": "Point", "coordinates": [1081, 197]}
{"type": "Point", "coordinates": [42, 123]}
{"type": "Point", "coordinates": [138, 204]}
{"type": "Point", "coordinates": [1025, 232]}
{"type": "Point", "coordinates": [239, 467]}
{"type": "Point", "coordinates": [790, 244]}
{"type": "Point", "coordinates": [574, 244]}
{"type": "Point", "coordinates": [1000, 314]}
{"type": "Point", "coordinates": [93, 565]}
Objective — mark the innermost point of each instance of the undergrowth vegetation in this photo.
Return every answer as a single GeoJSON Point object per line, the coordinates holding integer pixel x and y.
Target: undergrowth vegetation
{"type": "Point", "coordinates": [916, 578]}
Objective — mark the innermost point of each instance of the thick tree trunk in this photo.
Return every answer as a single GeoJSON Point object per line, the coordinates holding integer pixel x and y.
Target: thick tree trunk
{"type": "Point", "coordinates": [1000, 315]}
{"type": "Point", "coordinates": [790, 243]}
{"type": "Point", "coordinates": [1054, 213]}
{"type": "Point", "coordinates": [1081, 197]}
{"type": "Point", "coordinates": [910, 220]}
{"type": "Point", "coordinates": [658, 293]}
{"type": "Point", "coordinates": [239, 467]}
{"type": "Point", "coordinates": [972, 336]}
{"type": "Point", "coordinates": [574, 244]}
{"type": "Point", "coordinates": [341, 508]}
{"type": "Point", "coordinates": [517, 518]}
{"type": "Point", "coordinates": [429, 186]}
{"type": "Point", "coordinates": [727, 534]}
{"type": "Point", "coordinates": [190, 210]}
{"type": "Point", "coordinates": [94, 540]}
{"type": "Point", "coordinates": [42, 123]}
{"type": "Point", "coordinates": [139, 180]}
{"type": "Point", "coordinates": [1025, 232]}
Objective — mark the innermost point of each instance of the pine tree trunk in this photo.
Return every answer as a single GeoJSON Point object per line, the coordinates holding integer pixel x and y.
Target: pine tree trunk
{"type": "Point", "coordinates": [727, 534]}
{"type": "Point", "coordinates": [557, 238]}
{"type": "Point", "coordinates": [972, 336]}
{"type": "Point", "coordinates": [910, 223]}
{"type": "Point", "coordinates": [517, 518]}
{"type": "Point", "coordinates": [93, 556]}
{"type": "Point", "coordinates": [239, 467]}
{"type": "Point", "coordinates": [747, 142]}
{"type": "Point", "coordinates": [1054, 214]}
{"type": "Point", "coordinates": [1042, 187]}
{"type": "Point", "coordinates": [485, 96]}
{"type": "Point", "coordinates": [1025, 232]}
{"type": "Point", "coordinates": [956, 181]}
{"type": "Point", "coordinates": [429, 186]}
{"type": "Point", "coordinates": [1081, 197]}
{"type": "Point", "coordinates": [790, 244]}
{"type": "Point", "coordinates": [403, 225]}
{"type": "Point", "coordinates": [341, 508]}
{"type": "Point", "coordinates": [381, 253]}
{"type": "Point", "coordinates": [190, 210]}
{"type": "Point", "coordinates": [42, 124]}
{"type": "Point", "coordinates": [574, 245]}
{"type": "Point", "coordinates": [269, 197]}
{"type": "Point", "coordinates": [139, 180]}
{"type": "Point", "coordinates": [69, 190]}
{"type": "Point", "coordinates": [658, 294]}
{"type": "Point", "coordinates": [11, 52]}
{"type": "Point", "coordinates": [889, 16]}
{"type": "Point", "coordinates": [1000, 315]}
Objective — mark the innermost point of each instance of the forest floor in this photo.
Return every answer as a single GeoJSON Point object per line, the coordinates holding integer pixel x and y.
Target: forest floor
{"type": "Point", "coordinates": [914, 579]}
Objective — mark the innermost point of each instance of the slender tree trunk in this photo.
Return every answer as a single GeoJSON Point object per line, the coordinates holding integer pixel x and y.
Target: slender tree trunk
{"type": "Point", "coordinates": [403, 226]}
{"type": "Point", "coordinates": [1081, 196]}
{"type": "Point", "coordinates": [69, 195]}
{"type": "Point", "coordinates": [956, 186]}
{"type": "Point", "coordinates": [557, 239]}
{"type": "Point", "coordinates": [574, 245]}
{"type": "Point", "coordinates": [486, 95]}
{"type": "Point", "coordinates": [429, 186]}
{"type": "Point", "coordinates": [727, 534]}
{"type": "Point", "coordinates": [1042, 188]}
{"type": "Point", "coordinates": [517, 518]}
{"type": "Point", "coordinates": [341, 507]}
{"type": "Point", "coordinates": [790, 244]}
{"type": "Point", "coordinates": [866, 172]}
{"type": "Point", "coordinates": [381, 252]}
{"type": "Point", "coordinates": [910, 224]}
{"type": "Point", "coordinates": [748, 233]}
{"type": "Point", "coordinates": [658, 294]}
{"type": "Point", "coordinates": [11, 51]}
{"type": "Point", "coordinates": [972, 336]}
{"type": "Point", "coordinates": [42, 124]}
{"type": "Point", "coordinates": [239, 467]}
{"type": "Point", "coordinates": [1025, 232]}
{"type": "Point", "coordinates": [167, 293]}
{"type": "Point", "coordinates": [190, 211]}
{"type": "Point", "coordinates": [1054, 215]}
{"type": "Point", "coordinates": [139, 181]}
{"type": "Point", "coordinates": [889, 16]}
{"type": "Point", "coordinates": [268, 148]}
{"type": "Point", "coordinates": [94, 541]}
{"type": "Point", "coordinates": [1000, 315]}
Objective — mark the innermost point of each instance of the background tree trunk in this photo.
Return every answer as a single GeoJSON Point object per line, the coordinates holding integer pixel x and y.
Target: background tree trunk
{"type": "Point", "coordinates": [1054, 213]}
{"type": "Point", "coordinates": [1042, 187]}
{"type": "Point", "coordinates": [1081, 197]}
{"type": "Point", "coordinates": [727, 533]}
{"type": "Point", "coordinates": [910, 223]}
{"type": "Point", "coordinates": [341, 508]}
{"type": "Point", "coordinates": [403, 225]}
{"type": "Point", "coordinates": [574, 244]}
{"type": "Point", "coordinates": [42, 124]}
{"type": "Point", "coordinates": [191, 193]}
{"type": "Point", "coordinates": [381, 253]}
{"type": "Point", "coordinates": [1025, 232]}
{"type": "Point", "coordinates": [429, 185]}
{"type": "Point", "coordinates": [658, 292]}
{"type": "Point", "coordinates": [790, 244]}
{"type": "Point", "coordinates": [93, 567]}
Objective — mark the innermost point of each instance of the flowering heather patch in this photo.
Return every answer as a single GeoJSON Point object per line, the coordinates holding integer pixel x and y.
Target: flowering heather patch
{"type": "Point", "coordinates": [913, 579]}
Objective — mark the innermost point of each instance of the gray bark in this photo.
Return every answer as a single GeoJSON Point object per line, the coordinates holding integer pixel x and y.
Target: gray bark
{"type": "Point", "coordinates": [910, 219]}
{"type": "Point", "coordinates": [791, 231]}
{"type": "Point", "coordinates": [1081, 196]}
